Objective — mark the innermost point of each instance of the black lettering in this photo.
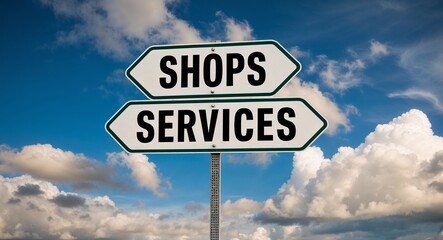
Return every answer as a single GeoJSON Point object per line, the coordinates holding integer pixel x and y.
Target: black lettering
{"type": "Point", "coordinates": [163, 125]}
{"type": "Point", "coordinates": [226, 125]}
{"type": "Point", "coordinates": [165, 69]}
{"type": "Point", "coordinates": [259, 69]}
{"type": "Point", "coordinates": [193, 69]}
{"type": "Point", "coordinates": [185, 126]}
{"type": "Point", "coordinates": [230, 70]}
{"type": "Point", "coordinates": [207, 70]}
{"type": "Point", "coordinates": [208, 129]}
{"type": "Point", "coordinates": [145, 125]}
{"type": "Point", "coordinates": [262, 123]}
{"type": "Point", "coordinates": [238, 124]}
{"type": "Point", "coordinates": [286, 123]}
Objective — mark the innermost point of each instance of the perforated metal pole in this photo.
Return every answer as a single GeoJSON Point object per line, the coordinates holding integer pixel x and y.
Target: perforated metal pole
{"type": "Point", "coordinates": [215, 197]}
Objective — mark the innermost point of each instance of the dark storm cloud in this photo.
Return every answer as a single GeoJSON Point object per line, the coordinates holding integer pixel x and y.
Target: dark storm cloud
{"type": "Point", "coordinates": [436, 164]}
{"type": "Point", "coordinates": [33, 206]}
{"type": "Point", "coordinates": [382, 228]}
{"type": "Point", "coordinates": [68, 201]}
{"type": "Point", "coordinates": [437, 186]}
{"type": "Point", "coordinates": [14, 201]}
{"type": "Point", "coordinates": [28, 190]}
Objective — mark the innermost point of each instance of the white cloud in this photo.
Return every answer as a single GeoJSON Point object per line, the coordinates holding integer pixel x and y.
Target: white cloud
{"type": "Point", "coordinates": [392, 173]}
{"type": "Point", "coordinates": [378, 49]}
{"type": "Point", "coordinates": [423, 62]}
{"type": "Point", "coordinates": [116, 28]}
{"type": "Point", "coordinates": [136, 18]}
{"type": "Point", "coordinates": [260, 233]}
{"type": "Point", "coordinates": [66, 166]}
{"type": "Point", "coordinates": [290, 231]}
{"type": "Point", "coordinates": [341, 75]}
{"type": "Point", "coordinates": [393, 5]}
{"type": "Point", "coordinates": [32, 208]}
{"type": "Point", "coordinates": [243, 206]}
{"type": "Point", "coordinates": [259, 159]}
{"type": "Point", "coordinates": [322, 103]}
{"type": "Point", "coordinates": [351, 110]}
{"type": "Point", "coordinates": [236, 30]}
{"type": "Point", "coordinates": [122, 28]}
{"type": "Point", "coordinates": [46, 162]}
{"type": "Point", "coordinates": [418, 94]}
{"type": "Point", "coordinates": [142, 170]}
{"type": "Point", "coordinates": [337, 75]}
{"type": "Point", "coordinates": [237, 220]}
{"type": "Point", "coordinates": [297, 52]}
{"type": "Point", "coordinates": [92, 217]}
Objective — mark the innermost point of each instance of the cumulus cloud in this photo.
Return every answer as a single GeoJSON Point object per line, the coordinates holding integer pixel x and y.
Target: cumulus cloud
{"type": "Point", "coordinates": [46, 162]}
{"type": "Point", "coordinates": [84, 173]}
{"type": "Point", "coordinates": [393, 173]}
{"type": "Point", "coordinates": [142, 171]}
{"type": "Point", "coordinates": [237, 221]}
{"type": "Point", "coordinates": [55, 214]}
{"type": "Point", "coordinates": [321, 102]}
{"type": "Point", "coordinates": [243, 206]}
{"type": "Point", "coordinates": [260, 233]}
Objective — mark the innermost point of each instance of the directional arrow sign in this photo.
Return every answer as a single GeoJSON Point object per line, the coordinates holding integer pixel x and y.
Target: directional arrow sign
{"type": "Point", "coordinates": [252, 68]}
{"type": "Point", "coordinates": [225, 125]}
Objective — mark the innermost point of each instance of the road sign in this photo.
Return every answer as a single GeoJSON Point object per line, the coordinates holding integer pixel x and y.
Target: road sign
{"type": "Point", "coordinates": [224, 125]}
{"type": "Point", "coordinates": [250, 68]}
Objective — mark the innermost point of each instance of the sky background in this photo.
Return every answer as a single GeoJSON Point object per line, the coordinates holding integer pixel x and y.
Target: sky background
{"type": "Point", "coordinates": [373, 69]}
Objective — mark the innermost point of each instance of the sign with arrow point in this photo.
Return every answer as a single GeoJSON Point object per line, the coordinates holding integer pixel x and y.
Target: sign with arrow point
{"type": "Point", "coordinates": [232, 69]}
{"type": "Point", "coordinates": [225, 125]}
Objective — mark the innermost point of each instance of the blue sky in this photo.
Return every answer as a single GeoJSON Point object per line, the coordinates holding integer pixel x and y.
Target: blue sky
{"type": "Point", "coordinates": [374, 69]}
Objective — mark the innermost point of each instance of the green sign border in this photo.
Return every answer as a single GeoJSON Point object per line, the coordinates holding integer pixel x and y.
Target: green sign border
{"type": "Point", "coordinates": [209, 150]}
{"type": "Point", "coordinates": [210, 45]}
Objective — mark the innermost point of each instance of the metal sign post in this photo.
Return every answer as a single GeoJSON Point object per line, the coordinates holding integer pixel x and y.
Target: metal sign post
{"type": "Point", "coordinates": [214, 214]}
{"type": "Point", "coordinates": [215, 196]}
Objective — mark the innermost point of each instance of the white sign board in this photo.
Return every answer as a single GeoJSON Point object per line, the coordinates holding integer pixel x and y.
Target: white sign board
{"type": "Point", "coordinates": [225, 125]}
{"type": "Point", "coordinates": [250, 68]}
